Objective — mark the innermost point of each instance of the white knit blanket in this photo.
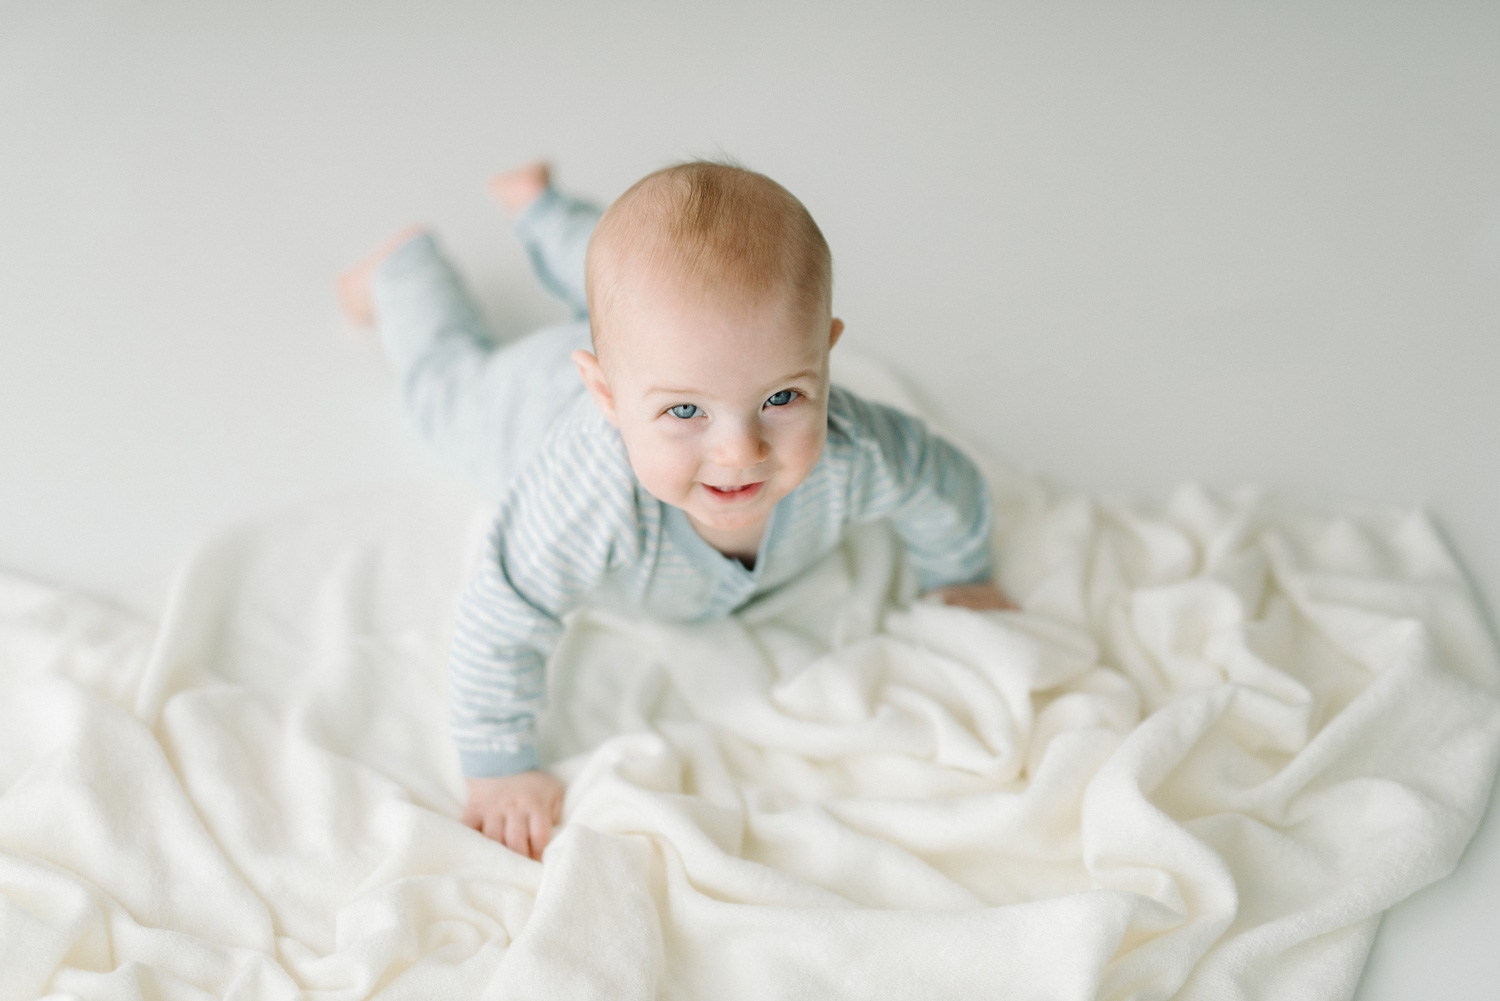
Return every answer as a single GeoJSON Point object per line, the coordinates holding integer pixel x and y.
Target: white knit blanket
{"type": "Point", "coordinates": [1224, 736]}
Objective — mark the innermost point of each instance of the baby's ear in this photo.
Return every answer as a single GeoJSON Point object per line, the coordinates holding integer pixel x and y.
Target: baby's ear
{"type": "Point", "coordinates": [834, 331]}
{"type": "Point", "coordinates": [592, 374]}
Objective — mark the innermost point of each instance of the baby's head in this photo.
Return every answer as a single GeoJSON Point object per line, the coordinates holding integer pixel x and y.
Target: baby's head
{"type": "Point", "coordinates": [709, 291]}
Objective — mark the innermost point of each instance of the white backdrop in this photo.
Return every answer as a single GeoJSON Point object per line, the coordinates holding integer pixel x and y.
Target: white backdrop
{"type": "Point", "coordinates": [1127, 245]}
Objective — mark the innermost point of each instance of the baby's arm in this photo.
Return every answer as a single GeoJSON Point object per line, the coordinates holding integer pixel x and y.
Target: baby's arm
{"type": "Point", "coordinates": [936, 499]}
{"type": "Point", "coordinates": [496, 665]}
{"type": "Point", "coordinates": [568, 520]}
{"type": "Point", "coordinates": [500, 643]}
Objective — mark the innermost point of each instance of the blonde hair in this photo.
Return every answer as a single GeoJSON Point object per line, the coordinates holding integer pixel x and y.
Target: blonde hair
{"type": "Point", "coordinates": [716, 228]}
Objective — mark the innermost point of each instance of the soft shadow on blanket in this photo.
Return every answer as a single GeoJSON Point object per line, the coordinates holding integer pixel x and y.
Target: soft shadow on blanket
{"type": "Point", "coordinates": [1225, 734]}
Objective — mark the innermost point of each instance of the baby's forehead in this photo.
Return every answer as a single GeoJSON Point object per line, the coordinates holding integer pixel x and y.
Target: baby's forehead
{"type": "Point", "coordinates": [640, 297]}
{"type": "Point", "coordinates": [665, 330]}
{"type": "Point", "coordinates": [646, 301]}
{"type": "Point", "coordinates": [655, 257]}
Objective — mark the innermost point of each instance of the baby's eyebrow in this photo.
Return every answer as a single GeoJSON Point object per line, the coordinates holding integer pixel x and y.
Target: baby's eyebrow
{"type": "Point", "coordinates": [805, 375]}
{"type": "Point", "coordinates": [809, 375]}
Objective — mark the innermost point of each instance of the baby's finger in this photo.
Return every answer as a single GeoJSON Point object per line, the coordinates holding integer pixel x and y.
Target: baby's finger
{"type": "Point", "coordinates": [517, 837]}
{"type": "Point", "coordinates": [494, 827]}
{"type": "Point", "coordinates": [541, 833]}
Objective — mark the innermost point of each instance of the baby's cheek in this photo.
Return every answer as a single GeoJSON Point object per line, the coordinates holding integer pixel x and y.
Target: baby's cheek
{"type": "Point", "coordinates": [665, 473]}
{"type": "Point", "coordinates": [803, 449]}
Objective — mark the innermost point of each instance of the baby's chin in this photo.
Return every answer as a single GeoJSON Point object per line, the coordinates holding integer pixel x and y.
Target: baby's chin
{"type": "Point", "coordinates": [732, 517]}
{"type": "Point", "coordinates": [729, 520]}
{"type": "Point", "coordinates": [719, 523]}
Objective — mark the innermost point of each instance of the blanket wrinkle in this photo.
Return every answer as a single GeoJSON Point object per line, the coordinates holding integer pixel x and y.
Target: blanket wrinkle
{"type": "Point", "coordinates": [1226, 733]}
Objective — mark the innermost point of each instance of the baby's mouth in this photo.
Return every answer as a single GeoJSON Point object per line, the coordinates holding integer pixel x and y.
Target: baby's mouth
{"type": "Point", "coordinates": [739, 493]}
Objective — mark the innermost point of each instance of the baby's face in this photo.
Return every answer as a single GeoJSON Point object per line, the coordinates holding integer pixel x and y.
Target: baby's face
{"type": "Point", "coordinates": [723, 411]}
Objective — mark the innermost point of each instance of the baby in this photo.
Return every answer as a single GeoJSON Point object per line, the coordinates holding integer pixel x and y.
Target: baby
{"type": "Point", "coordinates": [698, 458]}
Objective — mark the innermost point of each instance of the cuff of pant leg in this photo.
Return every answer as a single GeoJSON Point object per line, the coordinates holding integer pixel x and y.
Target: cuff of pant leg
{"type": "Point", "coordinates": [532, 215]}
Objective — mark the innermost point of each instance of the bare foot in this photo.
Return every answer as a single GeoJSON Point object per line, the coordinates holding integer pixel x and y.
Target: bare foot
{"type": "Point", "coordinates": [515, 189]}
{"type": "Point", "coordinates": [353, 286]}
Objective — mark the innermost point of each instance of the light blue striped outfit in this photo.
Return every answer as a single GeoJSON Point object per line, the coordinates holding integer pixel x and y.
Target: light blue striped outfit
{"type": "Point", "coordinates": [574, 521]}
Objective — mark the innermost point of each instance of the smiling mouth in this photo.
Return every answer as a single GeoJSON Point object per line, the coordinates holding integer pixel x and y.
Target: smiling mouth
{"type": "Point", "coordinates": [739, 493]}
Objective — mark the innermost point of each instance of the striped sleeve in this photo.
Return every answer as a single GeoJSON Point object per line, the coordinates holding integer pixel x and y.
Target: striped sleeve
{"type": "Point", "coordinates": [933, 494]}
{"type": "Point", "coordinates": [569, 521]}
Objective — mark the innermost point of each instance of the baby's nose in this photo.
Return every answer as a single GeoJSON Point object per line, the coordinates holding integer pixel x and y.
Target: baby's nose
{"type": "Point", "coordinates": [740, 447]}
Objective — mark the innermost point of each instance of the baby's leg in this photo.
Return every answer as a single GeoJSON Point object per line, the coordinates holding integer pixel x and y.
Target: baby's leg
{"type": "Point", "coordinates": [553, 227]}
{"type": "Point", "coordinates": [487, 412]}
{"type": "Point", "coordinates": [482, 407]}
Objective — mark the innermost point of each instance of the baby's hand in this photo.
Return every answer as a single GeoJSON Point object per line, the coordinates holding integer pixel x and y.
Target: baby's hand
{"type": "Point", "coordinates": [353, 286]}
{"type": "Point", "coordinates": [518, 811]}
{"type": "Point", "coordinates": [984, 597]}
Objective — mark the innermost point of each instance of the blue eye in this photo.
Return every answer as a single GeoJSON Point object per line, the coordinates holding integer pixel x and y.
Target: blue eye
{"type": "Point", "coordinates": [684, 410]}
{"type": "Point", "coordinates": [782, 398]}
